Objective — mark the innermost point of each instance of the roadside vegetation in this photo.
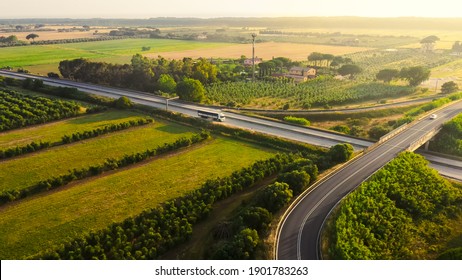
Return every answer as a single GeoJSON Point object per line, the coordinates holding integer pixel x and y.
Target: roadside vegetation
{"type": "Point", "coordinates": [449, 139]}
{"type": "Point", "coordinates": [406, 204]}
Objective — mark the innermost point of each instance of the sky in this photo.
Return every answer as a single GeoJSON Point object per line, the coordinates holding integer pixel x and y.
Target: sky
{"type": "Point", "coordinates": [227, 8]}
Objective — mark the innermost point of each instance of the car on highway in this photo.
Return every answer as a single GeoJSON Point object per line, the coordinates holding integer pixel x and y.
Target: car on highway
{"type": "Point", "coordinates": [433, 116]}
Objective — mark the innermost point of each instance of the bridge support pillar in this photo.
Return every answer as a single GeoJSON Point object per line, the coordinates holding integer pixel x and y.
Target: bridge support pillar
{"type": "Point", "coordinates": [426, 145]}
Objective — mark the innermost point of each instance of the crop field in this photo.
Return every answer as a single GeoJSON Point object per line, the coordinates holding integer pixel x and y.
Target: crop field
{"type": "Point", "coordinates": [42, 59]}
{"type": "Point", "coordinates": [52, 132]}
{"type": "Point", "coordinates": [39, 222]}
{"type": "Point", "coordinates": [49, 56]}
{"type": "Point", "coordinates": [26, 171]}
{"type": "Point", "coordinates": [266, 50]}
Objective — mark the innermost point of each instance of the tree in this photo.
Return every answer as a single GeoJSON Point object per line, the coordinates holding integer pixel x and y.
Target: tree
{"type": "Point", "coordinates": [449, 87]}
{"type": "Point", "coordinates": [245, 243]}
{"type": "Point", "coordinates": [191, 90]}
{"type": "Point", "coordinates": [457, 48]}
{"type": "Point", "coordinates": [349, 69]}
{"type": "Point", "coordinates": [415, 75]}
{"type": "Point", "coordinates": [32, 36]}
{"type": "Point", "coordinates": [142, 77]}
{"type": "Point", "coordinates": [275, 196]}
{"type": "Point", "coordinates": [123, 103]}
{"type": "Point", "coordinates": [298, 181]}
{"type": "Point", "coordinates": [340, 152]}
{"type": "Point", "coordinates": [428, 43]}
{"type": "Point", "coordinates": [256, 218]}
{"type": "Point", "coordinates": [166, 83]}
{"type": "Point", "coordinates": [315, 57]}
{"type": "Point", "coordinates": [377, 131]}
{"type": "Point", "coordinates": [204, 71]}
{"type": "Point", "coordinates": [387, 75]}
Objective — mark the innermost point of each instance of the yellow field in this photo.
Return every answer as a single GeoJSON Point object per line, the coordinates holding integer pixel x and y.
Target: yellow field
{"type": "Point", "coordinates": [262, 50]}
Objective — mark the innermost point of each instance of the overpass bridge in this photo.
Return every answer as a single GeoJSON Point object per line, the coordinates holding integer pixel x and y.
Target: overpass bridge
{"type": "Point", "coordinates": [298, 236]}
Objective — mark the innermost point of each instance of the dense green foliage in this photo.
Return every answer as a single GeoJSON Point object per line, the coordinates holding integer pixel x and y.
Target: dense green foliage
{"type": "Point", "coordinates": [400, 213]}
{"type": "Point", "coordinates": [296, 120]}
{"type": "Point", "coordinates": [29, 148]}
{"type": "Point", "coordinates": [449, 140]}
{"type": "Point", "coordinates": [340, 153]}
{"type": "Point", "coordinates": [18, 110]}
{"type": "Point", "coordinates": [142, 74]}
{"type": "Point", "coordinates": [449, 87]}
{"type": "Point", "coordinates": [153, 232]}
{"type": "Point", "coordinates": [109, 164]}
{"type": "Point", "coordinates": [253, 218]}
{"type": "Point", "coordinates": [190, 90]}
{"type": "Point", "coordinates": [123, 102]}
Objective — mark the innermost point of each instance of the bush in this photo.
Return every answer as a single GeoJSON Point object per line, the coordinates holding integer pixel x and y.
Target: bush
{"type": "Point", "coordinates": [275, 196]}
{"type": "Point", "coordinates": [340, 153]}
{"type": "Point", "coordinates": [341, 128]}
{"type": "Point", "coordinates": [299, 121]}
{"type": "Point", "coordinates": [123, 103]}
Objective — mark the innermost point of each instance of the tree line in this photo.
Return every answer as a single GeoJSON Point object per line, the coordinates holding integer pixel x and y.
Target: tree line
{"type": "Point", "coordinates": [414, 75]}
{"type": "Point", "coordinates": [241, 236]}
{"type": "Point", "coordinates": [109, 164]}
{"type": "Point", "coordinates": [155, 231]}
{"type": "Point", "coordinates": [150, 75]}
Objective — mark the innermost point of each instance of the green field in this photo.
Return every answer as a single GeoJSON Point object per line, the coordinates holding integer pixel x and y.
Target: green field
{"type": "Point", "coordinates": [52, 132]}
{"type": "Point", "coordinates": [47, 57]}
{"type": "Point", "coordinates": [39, 222]}
{"type": "Point", "coordinates": [20, 173]}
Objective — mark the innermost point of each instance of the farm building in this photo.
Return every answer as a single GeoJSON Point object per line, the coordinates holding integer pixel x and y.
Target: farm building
{"type": "Point", "coordinates": [301, 74]}
{"type": "Point", "coordinates": [248, 61]}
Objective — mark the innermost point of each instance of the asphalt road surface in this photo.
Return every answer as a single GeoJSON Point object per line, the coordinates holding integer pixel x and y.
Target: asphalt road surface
{"type": "Point", "coordinates": [300, 232]}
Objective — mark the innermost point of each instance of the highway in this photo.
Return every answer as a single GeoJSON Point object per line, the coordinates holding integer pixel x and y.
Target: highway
{"type": "Point", "coordinates": [298, 237]}
{"type": "Point", "coordinates": [299, 234]}
{"type": "Point", "coordinates": [307, 135]}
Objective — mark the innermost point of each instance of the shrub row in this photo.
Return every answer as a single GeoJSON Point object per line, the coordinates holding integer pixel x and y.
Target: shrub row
{"type": "Point", "coordinates": [241, 236]}
{"type": "Point", "coordinates": [295, 120]}
{"type": "Point", "coordinates": [411, 114]}
{"type": "Point", "coordinates": [77, 136]}
{"type": "Point", "coordinates": [29, 148]}
{"type": "Point", "coordinates": [75, 40]}
{"type": "Point", "coordinates": [154, 231]}
{"type": "Point", "coordinates": [66, 139]}
{"type": "Point", "coordinates": [109, 164]}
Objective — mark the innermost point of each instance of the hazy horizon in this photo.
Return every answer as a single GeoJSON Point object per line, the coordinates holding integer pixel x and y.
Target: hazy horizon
{"type": "Point", "coordinates": [143, 9]}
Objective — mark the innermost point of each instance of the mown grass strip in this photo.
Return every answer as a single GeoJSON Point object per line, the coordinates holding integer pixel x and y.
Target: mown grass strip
{"type": "Point", "coordinates": [38, 223]}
